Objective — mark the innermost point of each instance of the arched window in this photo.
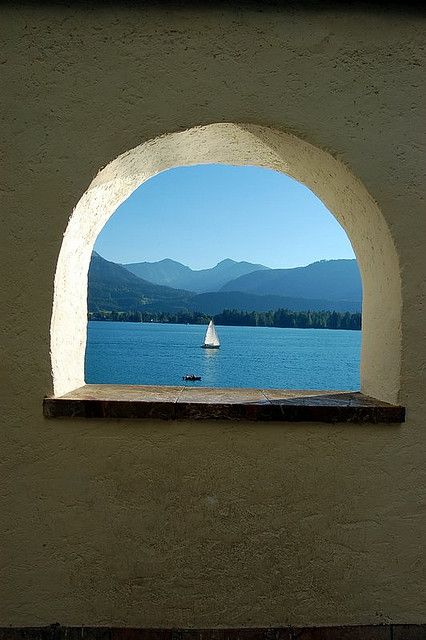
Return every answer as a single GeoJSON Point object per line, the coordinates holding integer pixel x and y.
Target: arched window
{"type": "Point", "coordinates": [234, 144]}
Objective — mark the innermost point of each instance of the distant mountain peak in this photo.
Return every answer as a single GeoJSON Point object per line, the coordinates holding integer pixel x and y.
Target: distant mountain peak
{"type": "Point", "coordinates": [174, 274]}
{"type": "Point", "coordinates": [226, 261]}
{"type": "Point", "coordinates": [169, 261]}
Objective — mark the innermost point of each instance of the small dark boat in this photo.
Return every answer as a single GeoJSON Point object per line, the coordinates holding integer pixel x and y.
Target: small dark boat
{"type": "Point", "coordinates": [191, 378]}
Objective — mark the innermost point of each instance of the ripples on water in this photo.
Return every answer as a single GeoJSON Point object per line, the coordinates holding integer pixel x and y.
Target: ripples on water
{"type": "Point", "coordinates": [150, 353]}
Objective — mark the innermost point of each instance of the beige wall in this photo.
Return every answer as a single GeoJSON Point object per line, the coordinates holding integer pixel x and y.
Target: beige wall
{"type": "Point", "coordinates": [157, 524]}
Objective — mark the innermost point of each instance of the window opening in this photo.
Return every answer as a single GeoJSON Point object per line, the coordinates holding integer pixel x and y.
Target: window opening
{"type": "Point", "coordinates": [236, 145]}
{"type": "Point", "coordinates": [247, 249]}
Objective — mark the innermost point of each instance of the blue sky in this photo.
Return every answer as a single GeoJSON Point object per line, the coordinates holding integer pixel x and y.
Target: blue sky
{"type": "Point", "coordinates": [200, 215]}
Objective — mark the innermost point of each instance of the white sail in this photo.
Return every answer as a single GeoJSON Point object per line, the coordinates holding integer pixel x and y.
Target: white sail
{"type": "Point", "coordinates": [211, 339]}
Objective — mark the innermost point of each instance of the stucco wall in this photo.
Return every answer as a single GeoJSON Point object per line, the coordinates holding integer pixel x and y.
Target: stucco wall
{"type": "Point", "coordinates": [157, 524]}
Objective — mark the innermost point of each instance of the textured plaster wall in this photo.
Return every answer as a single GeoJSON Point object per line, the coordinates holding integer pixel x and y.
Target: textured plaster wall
{"type": "Point", "coordinates": [205, 524]}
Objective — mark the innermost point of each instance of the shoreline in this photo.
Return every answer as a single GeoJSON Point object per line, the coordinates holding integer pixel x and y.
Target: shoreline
{"type": "Point", "coordinates": [204, 324]}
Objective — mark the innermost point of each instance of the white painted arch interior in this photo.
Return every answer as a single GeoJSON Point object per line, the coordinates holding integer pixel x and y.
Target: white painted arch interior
{"type": "Point", "coordinates": [235, 144]}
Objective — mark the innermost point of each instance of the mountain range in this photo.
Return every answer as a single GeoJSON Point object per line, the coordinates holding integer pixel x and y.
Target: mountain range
{"type": "Point", "coordinates": [174, 274]}
{"type": "Point", "coordinates": [325, 285]}
{"type": "Point", "coordinates": [331, 279]}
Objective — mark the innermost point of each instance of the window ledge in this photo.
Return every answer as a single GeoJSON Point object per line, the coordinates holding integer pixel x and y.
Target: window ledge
{"type": "Point", "coordinates": [201, 403]}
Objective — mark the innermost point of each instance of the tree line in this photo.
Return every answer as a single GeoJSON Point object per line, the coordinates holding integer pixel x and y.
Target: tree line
{"type": "Point", "coordinates": [232, 317]}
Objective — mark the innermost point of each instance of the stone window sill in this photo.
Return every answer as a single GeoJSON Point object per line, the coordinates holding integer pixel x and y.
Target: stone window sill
{"type": "Point", "coordinates": [201, 403]}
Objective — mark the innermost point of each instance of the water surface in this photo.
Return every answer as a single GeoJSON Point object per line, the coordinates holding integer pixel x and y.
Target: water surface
{"type": "Point", "coordinates": [160, 354]}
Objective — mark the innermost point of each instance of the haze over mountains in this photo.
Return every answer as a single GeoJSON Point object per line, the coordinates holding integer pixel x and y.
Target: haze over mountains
{"type": "Point", "coordinates": [326, 285]}
{"type": "Point", "coordinates": [174, 274]}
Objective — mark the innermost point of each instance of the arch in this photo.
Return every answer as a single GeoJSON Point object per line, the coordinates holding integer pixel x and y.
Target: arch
{"type": "Point", "coordinates": [235, 144]}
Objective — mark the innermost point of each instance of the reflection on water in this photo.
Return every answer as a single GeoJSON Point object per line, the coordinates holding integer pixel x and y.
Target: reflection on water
{"type": "Point", "coordinates": [210, 367]}
{"type": "Point", "coordinates": [151, 353]}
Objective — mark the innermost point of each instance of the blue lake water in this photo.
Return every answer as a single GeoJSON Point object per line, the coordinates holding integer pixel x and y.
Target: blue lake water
{"type": "Point", "coordinates": [151, 353]}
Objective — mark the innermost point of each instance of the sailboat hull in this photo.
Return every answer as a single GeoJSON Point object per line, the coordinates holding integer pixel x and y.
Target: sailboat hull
{"type": "Point", "coordinates": [210, 346]}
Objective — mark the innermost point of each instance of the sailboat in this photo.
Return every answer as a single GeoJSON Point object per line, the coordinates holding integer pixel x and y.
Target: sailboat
{"type": "Point", "coordinates": [211, 340]}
